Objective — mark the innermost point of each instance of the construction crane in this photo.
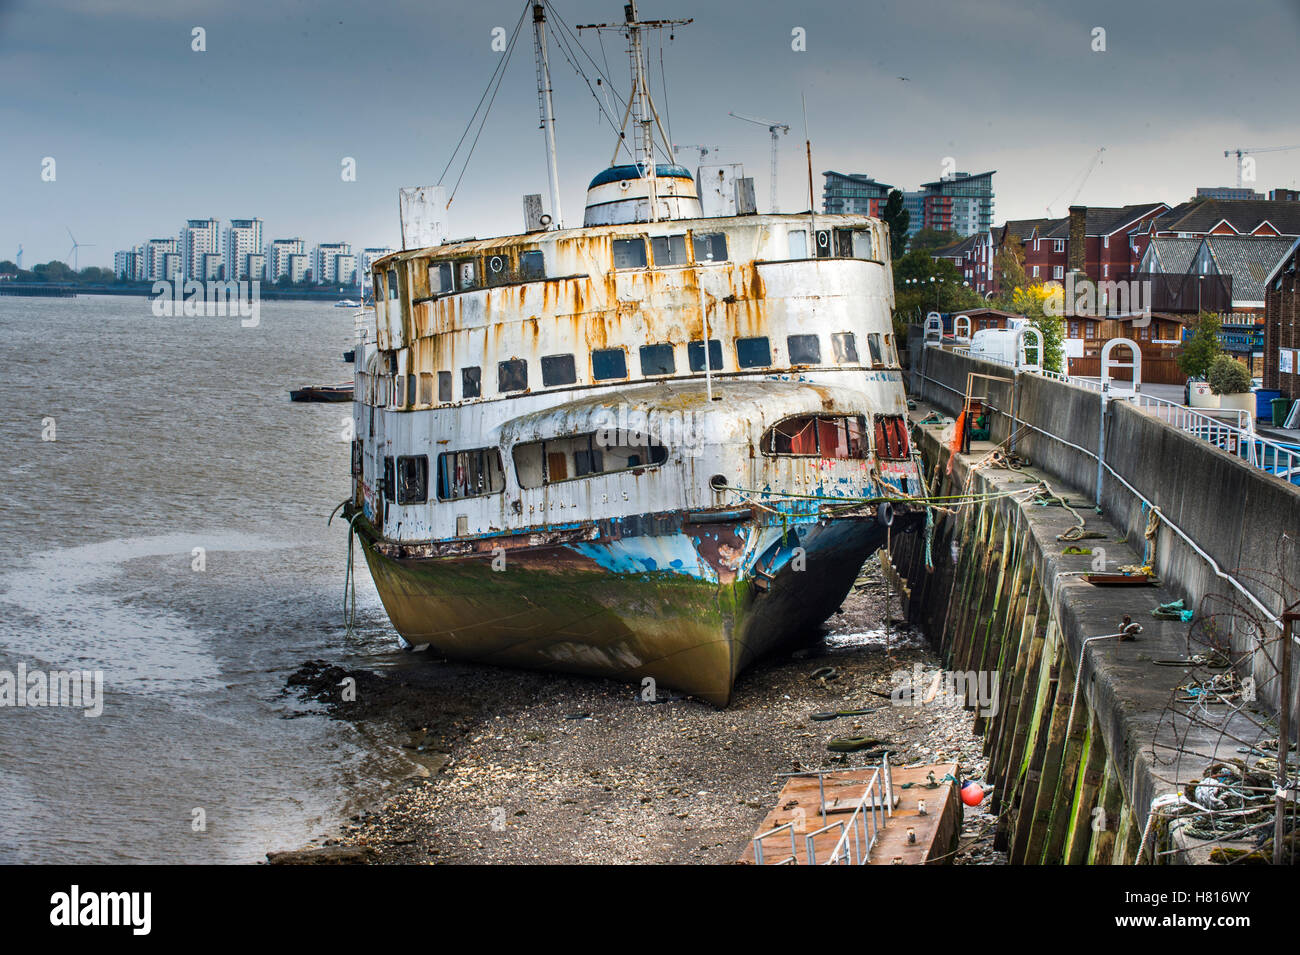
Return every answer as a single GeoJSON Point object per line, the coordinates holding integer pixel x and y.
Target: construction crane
{"type": "Point", "coordinates": [1250, 151]}
{"type": "Point", "coordinates": [776, 129]}
{"type": "Point", "coordinates": [702, 150]}
{"type": "Point", "coordinates": [1087, 171]}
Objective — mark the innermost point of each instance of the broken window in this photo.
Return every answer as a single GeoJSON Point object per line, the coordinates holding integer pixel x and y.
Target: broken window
{"type": "Point", "coordinates": [821, 436]}
{"type": "Point", "coordinates": [845, 347]}
{"type": "Point", "coordinates": [669, 250]}
{"type": "Point", "coordinates": [657, 360]}
{"type": "Point", "coordinates": [891, 438]}
{"type": "Point", "coordinates": [804, 349]}
{"type": "Point", "coordinates": [389, 483]}
{"type": "Point", "coordinates": [753, 352]}
{"type": "Point", "coordinates": [466, 274]}
{"type": "Point", "coordinates": [709, 247]}
{"type": "Point", "coordinates": [608, 363]}
{"type": "Point", "coordinates": [469, 474]}
{"type": "Point", "coordinates": [392, 283]}
{"type": "Point", "coordinates": [585, 455]}
{"type": "Point", "coordinates": [873, 345]}
{"type": "Point", "coordinates": [412, 479]}
{"type": "Point", "coordinates": [863, 247]}
{"type": "Point", "coordinates": [629, 253]}
{"type": "Point", "coordinates": [558, 370]}
{"type": "Point", "coordinates": [471, 382]}
{"type": "Point", "coordinates": [357, 452]}
{"type": "Point", "coordinates": [512, 375]}
{"type": "Point", "coordinates": [532, 266]}
{"type": "Point", "coordinates": [440, 278]}
{"type": "Point", "coordinates": [426, 388]}
{"type": "Point", "coordinates": [444, 386]}
{"type": "Point", "coordinates": [844, 243]}
{"type": "Point", "coordinates": [695, 353]}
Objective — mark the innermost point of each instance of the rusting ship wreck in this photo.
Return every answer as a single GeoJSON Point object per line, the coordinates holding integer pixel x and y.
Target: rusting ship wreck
{"type": "Point", "coordinates": [617, 449]}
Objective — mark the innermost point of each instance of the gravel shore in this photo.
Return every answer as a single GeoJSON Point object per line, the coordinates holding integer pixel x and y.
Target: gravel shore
{"type": "Point", "coordinates": [520, 767]}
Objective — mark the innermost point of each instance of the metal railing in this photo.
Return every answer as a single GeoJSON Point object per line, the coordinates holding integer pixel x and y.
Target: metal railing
{"type": "Point", "coordinates": [1230, 429]}
{"type": "Point", "coordinates": [858, 834]}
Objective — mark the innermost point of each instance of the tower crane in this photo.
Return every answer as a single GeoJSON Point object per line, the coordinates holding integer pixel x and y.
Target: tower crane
{"type": "Point", "coordinates": [1087, 171]}
{"type": "Point", "coordinates": [702, 150]}
{"type": "Point", "coordinates": [777, 130]}
{"type": "Point", "coordinates": [1250, 151]}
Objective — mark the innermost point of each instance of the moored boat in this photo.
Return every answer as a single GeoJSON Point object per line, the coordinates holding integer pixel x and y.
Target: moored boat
{"type": "Point", "coordinates": [654, 447]}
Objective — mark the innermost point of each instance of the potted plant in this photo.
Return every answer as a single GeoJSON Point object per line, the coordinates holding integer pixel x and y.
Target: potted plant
{"type": "Point", "coordinates": [1230, 380]}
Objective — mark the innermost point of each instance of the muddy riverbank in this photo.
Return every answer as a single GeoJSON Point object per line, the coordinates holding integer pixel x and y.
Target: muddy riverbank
{"type": "Point", "coordinates": [518, 767]}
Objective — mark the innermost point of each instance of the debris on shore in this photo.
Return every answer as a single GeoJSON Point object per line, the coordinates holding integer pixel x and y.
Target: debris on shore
{"type": "Point", "coordinates": [521, 767]}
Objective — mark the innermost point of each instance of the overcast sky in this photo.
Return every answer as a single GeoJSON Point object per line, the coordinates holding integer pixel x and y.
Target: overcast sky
{"type": "Point", "coordinates": [146, 132]}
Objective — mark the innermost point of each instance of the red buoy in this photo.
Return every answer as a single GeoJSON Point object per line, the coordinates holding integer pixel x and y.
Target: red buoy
{"type": "Point", "coordinates": [972, 793]}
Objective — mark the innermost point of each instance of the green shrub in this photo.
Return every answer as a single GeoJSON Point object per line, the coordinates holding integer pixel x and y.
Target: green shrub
{"type": "Point", "coordinates": [1228, 376]}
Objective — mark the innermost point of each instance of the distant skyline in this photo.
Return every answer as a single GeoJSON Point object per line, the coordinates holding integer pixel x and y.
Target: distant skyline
{"type": "Point", "coordinates": [146, 133]}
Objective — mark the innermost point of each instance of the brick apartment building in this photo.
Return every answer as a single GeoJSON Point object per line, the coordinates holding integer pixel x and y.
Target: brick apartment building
{"type": "Point", "coordinates": [1282, 326]}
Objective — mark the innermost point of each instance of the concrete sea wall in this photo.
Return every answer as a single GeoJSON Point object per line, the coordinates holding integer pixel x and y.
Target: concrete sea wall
{"type": "Point", "coordinates": [1093, 740]}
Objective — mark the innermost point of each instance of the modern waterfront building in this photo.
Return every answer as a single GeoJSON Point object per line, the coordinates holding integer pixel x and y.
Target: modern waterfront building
{"type": "Point", "coordinates": [154, 253]}
{"type": "Point", "coordinates": [243, 239]}
{"type": "Point", "coordinates": [853, 193]}
{"type": "Point", "coordinates": [198, 238]}
{"type": "Point", "coordinates": [278, 252]}
{"type": "Point", "coordinates": [325, 261]}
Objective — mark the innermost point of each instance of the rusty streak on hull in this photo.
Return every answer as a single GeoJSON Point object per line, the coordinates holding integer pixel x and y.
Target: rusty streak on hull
{"type": "Point", "coordinates": [553, 607]}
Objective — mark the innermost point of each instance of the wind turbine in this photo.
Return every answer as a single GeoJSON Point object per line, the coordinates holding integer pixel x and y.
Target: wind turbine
{"type": "Point", "coordinates": [73, 251]}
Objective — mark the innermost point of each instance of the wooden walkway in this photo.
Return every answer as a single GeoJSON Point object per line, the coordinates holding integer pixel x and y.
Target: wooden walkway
{"type": "Point", "coordinates": [936, 832]}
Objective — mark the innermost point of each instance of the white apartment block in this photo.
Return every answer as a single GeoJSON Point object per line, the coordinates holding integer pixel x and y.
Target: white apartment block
{"type": "Point", "coordinates": [243, 239]}
{"type": "Point", "coordinates": [199, 237]}
{"type": "Point", "coordinates": [277, 257]}
{"type": "Point", "coordinates": [155, 251]}
{"type": "Point", "coordinates": [325, 264]}
{"type": "Point", "coordinates": [299, 267]}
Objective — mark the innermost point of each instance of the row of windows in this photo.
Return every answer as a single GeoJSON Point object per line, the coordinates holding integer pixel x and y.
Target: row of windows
{"type": "Point", "coordinates": [478, 472]}
{"type": "Point", "coordinates": [661, 251]}
{"type": "Point", "coordinates": [611, 364]}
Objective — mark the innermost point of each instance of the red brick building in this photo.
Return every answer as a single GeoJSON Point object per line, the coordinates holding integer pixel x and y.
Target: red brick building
{"type": "Point", "coordinates": [1282, 326]}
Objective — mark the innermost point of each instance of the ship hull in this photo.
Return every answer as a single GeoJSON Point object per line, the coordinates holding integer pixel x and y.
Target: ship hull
{"type": "Point", "coordinates": [613, 608]}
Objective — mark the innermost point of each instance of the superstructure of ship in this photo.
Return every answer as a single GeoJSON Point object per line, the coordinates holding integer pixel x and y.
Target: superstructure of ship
{"type": "Point", "coordinates": [652, 448]}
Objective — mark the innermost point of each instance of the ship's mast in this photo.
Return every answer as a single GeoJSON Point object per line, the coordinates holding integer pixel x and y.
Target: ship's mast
{"type": "Point", "coordinates": [547, 109]}
{"type": "Point", "coordinates": [641, 108]}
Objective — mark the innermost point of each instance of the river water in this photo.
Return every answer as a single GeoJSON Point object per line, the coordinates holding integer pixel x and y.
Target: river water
{"type": "Point", "coordinates": [173, 434]}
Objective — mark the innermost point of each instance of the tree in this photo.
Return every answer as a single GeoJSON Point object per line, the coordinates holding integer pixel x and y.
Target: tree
{"type": "Point", "coordinates": [1203, 347]}
{"type": "Point", "coordinates": [1029, 302]}
{"type": "Point", "coordinates": [898, 219]}
{"type": "Point", "coordinates": [915, 293]}
{"type": "Point", "coordinates": [1228, 376]}
{"type": "Point", "coordinates": [927, 240]}
{"type": "Point", "coordinates": [1009, 267]}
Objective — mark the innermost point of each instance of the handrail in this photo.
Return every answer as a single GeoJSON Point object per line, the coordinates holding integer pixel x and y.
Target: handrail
{"type": "Point", "coordinates": [858, 834]}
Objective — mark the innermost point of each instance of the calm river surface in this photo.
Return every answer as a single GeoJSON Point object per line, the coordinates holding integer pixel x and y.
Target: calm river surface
{"type": "Point", "coordinates": [174, 434]}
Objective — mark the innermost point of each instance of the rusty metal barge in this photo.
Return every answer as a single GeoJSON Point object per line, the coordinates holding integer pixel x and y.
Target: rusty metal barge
{"type": "Point", "coordinates": [616, 449]}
